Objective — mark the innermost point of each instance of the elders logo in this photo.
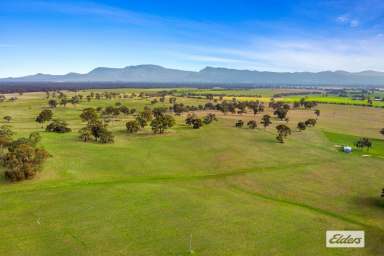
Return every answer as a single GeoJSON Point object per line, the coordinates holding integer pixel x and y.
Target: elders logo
{"type": "Point", "coordinates": [345, 239]}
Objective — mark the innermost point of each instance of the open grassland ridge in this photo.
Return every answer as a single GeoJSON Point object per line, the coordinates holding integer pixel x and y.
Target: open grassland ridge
{"type": "Point", "coordinates": [158, 179]}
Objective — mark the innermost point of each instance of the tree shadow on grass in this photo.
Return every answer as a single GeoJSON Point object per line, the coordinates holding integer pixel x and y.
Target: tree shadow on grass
{"type": "Point", "coordinates": [377, 202]}
{"type": "Point", "coordinates": [374, 233]}
{"type": "Point", "coordinates": [143, 134]}
{"type": "Point", "coordinates": [2, 178]}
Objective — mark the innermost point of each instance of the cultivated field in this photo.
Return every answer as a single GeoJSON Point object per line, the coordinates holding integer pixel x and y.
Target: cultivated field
{"type": "Point", "coordinates": [218, 190]}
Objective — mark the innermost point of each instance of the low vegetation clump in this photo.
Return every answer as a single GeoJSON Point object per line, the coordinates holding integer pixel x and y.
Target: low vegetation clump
{"type": "Point", "coordinates": [235, 106]}
{"type": "Point", "coordinates": [266, 121]}
{"type": "Point", "coordinates": [23, 158]}
{"type": "Point", "coordinates": [96, 131]}
{"type": "Point", "coordinates": [193, 121]}
{"type": "Point", "coordinates": [382, 131]}
{"type": "Point", "coordinates": [179, 108]}
{"type": "Point", "coordinates": [159, 111]}
{"type": "Point", "coordinates": [124, 109]}
{"type": "Point", "coordinates": [7, 118]}
{"type": "Point", "coordinates": [5, 136]}
{"type": "Point", "coordinates": [58, 126]}
{"type": "Point", "coordinates": [239, 124]}
{"type": "Point", "coordinates": [161, 123]}
{"type": "Point", "coordinates": [282, 132]}
{"type": "Point", "coordinates": [310, 122]}
{"type": "Point", "coordinates": [52, 103]}
{"type": "Point", "coordinates": [110, 111]}
{"type": "Point", "coordinates": [209, 118]}
{"type": "Point", "coordinates": [309, 104]}
{"type": "Point", "coordinates": [88, 114]}
{"type": "Point", "coordinates": [44, 116]}
{"type": "Point", "coordinates": [252, 124]}
{"type": "Point", "coordinates": [144, 117]}
{"type": "Point", "coordinates": [132, 126]}
{"type": "Point", "coordinates": [301, 126]}
{"type": "Point", "coordinates": [364, 143]}
{"type": "Point", "coordinates": [282, 112]}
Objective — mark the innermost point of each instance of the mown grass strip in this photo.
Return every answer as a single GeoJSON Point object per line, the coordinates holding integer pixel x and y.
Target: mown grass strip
{"type": "Point", "coordinates": [377, 149]}
{"type": "Point", "coordinates": [156, 179]}
{"type": "Point", "coordinates": [297, 204]}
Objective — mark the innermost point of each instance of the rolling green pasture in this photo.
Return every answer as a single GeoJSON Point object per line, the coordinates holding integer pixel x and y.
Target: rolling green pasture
{"type": "Point", "coordinates": [265, 94]}
{"type": "Point", "coordinates": [350, 140]}
{"type": "Point", "coordinates": [224, 190]}
{"type": "Point", "coordinates": [333, 99]}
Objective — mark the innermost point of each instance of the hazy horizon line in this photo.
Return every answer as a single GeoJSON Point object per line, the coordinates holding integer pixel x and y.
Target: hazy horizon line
{"type": "Point", "coordinates": [194, 70]}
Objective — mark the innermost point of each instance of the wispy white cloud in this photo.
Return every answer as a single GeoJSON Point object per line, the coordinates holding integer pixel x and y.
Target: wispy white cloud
{"type": "Point", "coordinates": [112, 13]}
{"type": "Point", "coordinates": [342, 19]}
{"type": "Point", "coordinates": [285, 46]}
{"type": "Point", "coordinates": [87, 8]}
{"type": "Point", "coordinates": [365, 14]}
{"type": "Point", "coordinates": [346, 19]}
{"type": "Point", "coordinates": [354, 23]}
{"type": "Point", "coordinates": [297, 54]}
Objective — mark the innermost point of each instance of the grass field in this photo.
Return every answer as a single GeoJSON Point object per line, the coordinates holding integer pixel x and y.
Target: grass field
{"type": "Point", "coordinates": [224, 190]}
{"type": "Point", "coordinates": [267, 92]}
{"type": "Point", "coordinates": [335, 100]}
{"type": "Point", "coordinates": [264, 95]}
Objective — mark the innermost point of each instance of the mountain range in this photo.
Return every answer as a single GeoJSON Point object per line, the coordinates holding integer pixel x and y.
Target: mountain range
{"type": "Point", "coordinates": [217, 75]}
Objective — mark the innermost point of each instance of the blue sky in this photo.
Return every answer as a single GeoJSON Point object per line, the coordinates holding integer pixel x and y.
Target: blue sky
{"type": "Point", "coordinates": [62, 36]}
